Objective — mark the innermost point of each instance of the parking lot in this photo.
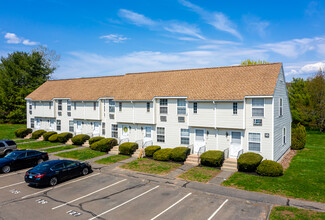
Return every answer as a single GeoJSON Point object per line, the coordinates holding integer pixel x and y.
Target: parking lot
{"type": "Point", "coordinates": [104, 196]}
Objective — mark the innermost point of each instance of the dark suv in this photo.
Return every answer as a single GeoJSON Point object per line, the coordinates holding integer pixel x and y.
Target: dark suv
{"type": "Point", "coordinates": [7, 146]}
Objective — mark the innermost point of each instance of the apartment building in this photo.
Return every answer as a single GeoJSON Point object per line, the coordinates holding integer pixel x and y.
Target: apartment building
{"type": "Point", "coordinates": [237, 108]}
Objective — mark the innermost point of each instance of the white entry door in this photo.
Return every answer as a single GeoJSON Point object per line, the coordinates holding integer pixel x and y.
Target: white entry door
{"type": "Point", "coordinates": [199, 139]}
{"type": "Point", "coordinates": [235, 145]}
{"type": "Point", "coordinates": [78, 130]}
{"type": "Point", "coordinates": [96, 129]}
{"type": "Point", "coordinates": [125, 131]}
{"type": "Point", "coordinates": [147, 134]}
{"type": "Point", "coordinates": [51, 125]}
{"type": "Point", "coordinates": [38, 124]}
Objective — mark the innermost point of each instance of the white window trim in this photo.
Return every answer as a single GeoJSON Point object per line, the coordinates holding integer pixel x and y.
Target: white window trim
{"type": "Point", "coordinates": [189, 135]}
{"type": "Point", "coordinates": [284, 136]}
{"type": "Point", "coordinates": [161, 134]}
{"type": "Point", "coordinates": [259, 108]}
{"type": "Point", "coordinates": [197, 108]}
{"type": "Point", "coordinates": [166, 106]}
{"type": "Point", "coordinates": [147, 107]}
{"type": "Point", "coordinates": [254, 142]}
{"type": "Point", "coordinates": [181, 107]}
{"type": "Point", "coordinates": [236, 108]}
{"type": "Point", "coordinates": [280, 107]}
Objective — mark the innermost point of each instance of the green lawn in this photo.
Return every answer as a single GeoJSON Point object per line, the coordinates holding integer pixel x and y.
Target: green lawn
{"type": "Point", "coordinates": [62, 148]}
{"type": "Point", "coordinates": [304, 179]}
{"type": "Point", "coordinates": [146, 165]}
{"type": "Point", "coordinates": [82, 154]}
{"type": "Point", "coordinates": [37, 145]}
{"type": "Point", "coordinates": [112, 159]}
{"type": "Point", "coordinates": [200, 174]}
{"type": "Point", "coordinates": [7, 131]}
{"type": "Point", "coordinates": [287, 213]}
{"type": "Point", "coordinates": [24, 140]}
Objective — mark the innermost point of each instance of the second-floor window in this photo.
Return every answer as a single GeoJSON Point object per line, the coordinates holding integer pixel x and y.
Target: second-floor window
{"type": "Point", "coordinates": [58, 125]}
{"type": "Point", "coordinates": [284, 136]}
{"type": "Point", "coordinates": [111, 104]}
{"type": "Point", "coordinates": [50, 105]}
{"type": "Point", "coordinates": [68, 106]}
{"type": "Point", "coordinates": [163, 103]}
{"type": "Point", "coordinates": [120, 106]}
{"type": "Point", "coordinates": [258, 107]}
{"type": "Point", "coordinates": [195, 107]}
{"type": "Point", "coordinates": [148, 106]}
{"type": "Point", "coordinates": [34, 105]}
{"type": "Point", "coordinates": [30, 108]}
{"type": "Point", "coordinates": [75, 105]}
{"type": "Point", "coordinates": [281, 107]}
{"type": "Point", "coordinates": [59, 105]}
{"type": "Point", "coordinates": [181, 107]}
{"type": "Point", "coordinates": [234, 108]}
{"type": "Point", "coordinates": [95, 104]}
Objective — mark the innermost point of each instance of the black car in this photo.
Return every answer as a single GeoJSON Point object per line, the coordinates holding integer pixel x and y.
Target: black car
{"type": "Point", "coordinates": [22, 159]}
{"type": "Point", "coordinates": [53, 171]}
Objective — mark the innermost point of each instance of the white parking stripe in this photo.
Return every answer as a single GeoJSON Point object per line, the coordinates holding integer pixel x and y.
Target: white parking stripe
{"type": "Point", "coordinates": [88, 194]}
{"type": "Point", "coordinates": [12, 185]}
{"type": "Point", "coordinates": [218, 209]}
{"type": "Point", "coordinates": [59, 186]}
{"type": "Point", "coordinates": [10, 174]}
{"type": "Point", "coordinates": [130, 200]}
{"type": "Point", "coordinates": [171, 206]}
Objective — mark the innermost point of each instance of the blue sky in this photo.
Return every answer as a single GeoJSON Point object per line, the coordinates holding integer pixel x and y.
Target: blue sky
{"type": "Point", "coordinates": [99, 38]}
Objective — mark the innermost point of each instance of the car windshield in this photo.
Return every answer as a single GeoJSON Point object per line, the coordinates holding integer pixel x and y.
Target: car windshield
{"type": "Point", "coordinates": [42, 166]}
{"type": "Point", "coordinates": [13, 155]}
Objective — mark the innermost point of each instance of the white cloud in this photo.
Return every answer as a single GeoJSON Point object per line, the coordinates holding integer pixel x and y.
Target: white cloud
{"type": "Point", "coordinates": [217, 19]}
{"type": "Point", "coordinates": [295, 47]}
{"type": "Point", "coordinates": [135, 18]}
{"type": "Point", "coordinates": [115, 38]}
{"type": "Point", "coordinates": [256, 25]}
{"type": "Point", "coordinates": [184, 29]}
{"type": "Point", "coordinates": [303, 69]}
{"type": "Point", "coordinates": [14, 39]}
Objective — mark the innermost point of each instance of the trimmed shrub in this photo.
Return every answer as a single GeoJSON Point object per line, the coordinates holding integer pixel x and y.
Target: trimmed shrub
{"type": "Point", "coordinates": [149, 151]}
{"type": "Point", "coordinates": [104, 145]}
{"type": "Point", "coordinates": [95, 139]}
{"type": "Point", "coordinates": [212, 158]}
{"type": "Point", "coordinates": [128, 148]}
{"type": "Point", "coordinates": [298, 137]}
{"type": "Point", "coordinates": [64, 137]}
{"type": "Point", "coordinates": [179, 154]}
{"type": "Point", "coordinates": [47, 135]}
{"type": "Point", "coordinates": [80, 139]}
{"type": "Point", "coordinates": [37, 134]}
{"type": "Point", "coordinates": [248, 162]}
{"type": "Point", "coordinates": [269, 168]}
{"type": "Point", "coordinates": [163, 154]}
{"type": "Point", "coordinates": [53, 138]}
{"type": "Point", "coordinates": [23, 132]}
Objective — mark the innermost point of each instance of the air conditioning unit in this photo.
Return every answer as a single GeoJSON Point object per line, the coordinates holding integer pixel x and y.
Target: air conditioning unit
{"type": "Point", "coordinates": [59, 113]}
{"type": "Point", "coordinates": [257, 122]}
{"type": "Point", "coordinates": [69, 114]}
{"type": "Point", "coordinates": [181, 119]}
{"type": "Point", "coordinates": [163, 118]}
{"type": "Point", "coordinates": [111, 116]}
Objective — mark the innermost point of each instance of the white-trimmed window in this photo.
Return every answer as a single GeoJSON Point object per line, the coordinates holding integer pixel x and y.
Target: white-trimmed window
{"type": "Point", "coordinates": [32, 122]}
{"type": "Point", "coordinates": [284, 136]}
{"type": "Point", "coordinates": [148, 106]}
{"type": "Point", "coordinates": [163, 106]}
{"type": "Point", "coordinates": [30, 108]}
{"type": "Point", "coordinates": [281, 107]}
{"type": "Point", "coordinates": [58, 125]}
{"type": "Point", "coordinates": [50, 105]}
{"type": "Point", "coordinates": [95, 105]}
{"type": "Point", "coordinates": [254, 142]}
{"type": "Point", "coordinates": [111, 104]}
{"type": "Point", "coordinates": [103, 128]}
{"type": "Point", "coordinates": [181, 107]}
{"type": "Point", "coordinates": [120, 106]}
{"type": "Point", "coordinates": [258, 107]}
{"type": "Point", "coordinates": [185, 136]}
{"type": "Point", "coordinates": [160, 134]}
{"type": "Point", "coordinates": [234, 108]}
{"type": "Point", "coordinates": [71, 126]}
{"type": "Point", "coordinates": [75, 105]}
{"type": "Point", "coordinates": [34, 105]}
{"type": "Point", "coordinates": [68, 105]}
{"type": "Point", "coordinates": [195, 107]}
{"type": "Point", "coordinates": [59, 105]}
{"type": "Point", "coordinates": [147, 132]}
{"type": "Point", "coordinates": [114, 131]}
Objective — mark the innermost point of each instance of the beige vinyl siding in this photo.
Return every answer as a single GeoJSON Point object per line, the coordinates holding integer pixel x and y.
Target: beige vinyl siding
{"type": "Point", "coordinates": [225, 117]}
{"type": "Point", "coordinates": [283, 121]}
{"type": "Point", "coordinates": [41, 110]}
{"type": "Point", "coordinates": [205, 115]}
{"type": "Point", "coordinates": [141, 116]}
{"type": "Point", "coordinates": [126, 115]}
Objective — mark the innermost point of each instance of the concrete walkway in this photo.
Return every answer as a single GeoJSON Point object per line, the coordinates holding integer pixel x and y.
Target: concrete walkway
{"type": "Point", "coordinates": [222, 176]}
{"type": "Point", "coordinates": [180, 170]}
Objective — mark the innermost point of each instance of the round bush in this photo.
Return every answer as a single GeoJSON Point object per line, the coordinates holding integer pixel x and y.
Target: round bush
{"type": "Point", "coordinates": [48, 134]}
{"type": "Point", "coordinates": [95, 139]}
{"type": "Point", "coordinates": [248, 162]}
{"type": "Point", "coordinates": [212, 158]}
{"type": "Point", "coordinates": [37, 134]}
{"type": "Point", "coordinates": [53, 138]}
{"type": "Point", "coordinates": [128, 148]}
{"type": "Point", "coordinates": [104, 145]}
{"type": "Point", "coordinates": [163, 154]}
{"type": "Point", "coordinates": [298, 137]}
{"type": "Point", "coordinates": [23, 132]}
{"type": "Point", "coordinates": [179, 154]}
{"type": "Point", "coordinates": [80, 139]}
{"type": "Point", "coordinates": [149, 151]}
{"type": "Point", "coordinates": [64, 137]}
{"type": "Point", "coordinates": [269, 168]}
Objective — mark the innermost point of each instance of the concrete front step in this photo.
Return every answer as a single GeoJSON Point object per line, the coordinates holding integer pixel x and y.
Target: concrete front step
{"type": "Point", "coordinates": [29, 136]}
{"type": "Point", "coordinates": [192, 159]}
{"type": "Point", "coordinates": [40, 138]}
{"type": "Point", "coordinates": [86, 144]}
{"type": "Point", "coordinates": [69, 142]}
{"type": "Point", "coordinates": [114, 150]}
{"type": "Point", "coordinates": [230, 164]}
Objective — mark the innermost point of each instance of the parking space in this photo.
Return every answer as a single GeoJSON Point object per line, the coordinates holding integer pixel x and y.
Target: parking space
{"type": "Point", "coordinates": [104, 196]}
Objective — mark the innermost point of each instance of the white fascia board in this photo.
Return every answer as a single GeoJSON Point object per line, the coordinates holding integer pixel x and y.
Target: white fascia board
{"type": "Point", "coordinates": [169, 97]}
{"type": "Point", "coordinates": [105, 98]}
{"type": "Point", "coordinates": [259, 96]}
{"type": "Point", "coordinates": [201, 100]}
{"type": "Point", "coordinates": [132, 100]}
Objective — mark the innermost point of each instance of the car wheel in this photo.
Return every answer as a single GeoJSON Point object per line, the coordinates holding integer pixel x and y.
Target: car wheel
{"type": "Point", "coordinates": [85, 171]}
{"type": "Point", "coordinates": [53, 181]}
{"type": "Point", "coordinates": [40, 161]}
{"type": "Point", "coordinates": [6, 169]}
